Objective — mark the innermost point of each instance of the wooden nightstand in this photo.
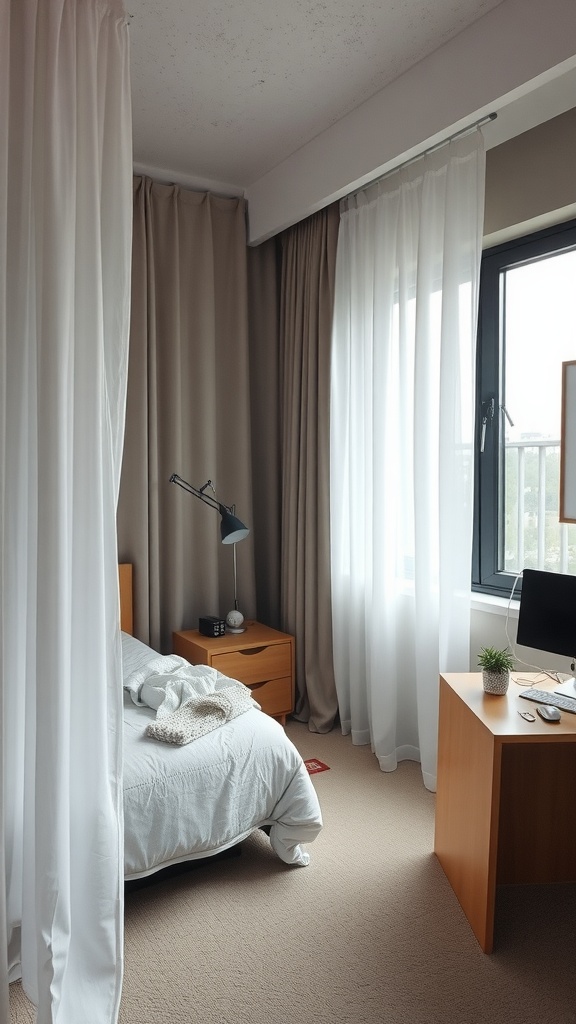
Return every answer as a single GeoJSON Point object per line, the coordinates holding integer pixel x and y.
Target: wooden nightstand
{"type": "Point", "coordinates": [261, 658]}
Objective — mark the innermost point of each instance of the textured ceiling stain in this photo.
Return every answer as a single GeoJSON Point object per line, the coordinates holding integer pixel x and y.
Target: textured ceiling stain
{"type": "Point", "coordinates": [227, 90]}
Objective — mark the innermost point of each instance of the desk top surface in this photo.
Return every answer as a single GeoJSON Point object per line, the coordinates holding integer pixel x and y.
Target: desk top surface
{"type": "Point", "coordinates": [499, 714]}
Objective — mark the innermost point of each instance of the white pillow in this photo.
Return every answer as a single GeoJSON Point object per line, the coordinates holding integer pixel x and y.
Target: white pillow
{"type": "Point", "coordinates": [140, 662]}
{"type": "Point", "coordinates": [135, 654]}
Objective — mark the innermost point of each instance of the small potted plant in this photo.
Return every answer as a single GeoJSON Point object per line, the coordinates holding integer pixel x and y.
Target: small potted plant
{"type": "Point", "coordinates": [496, 666]}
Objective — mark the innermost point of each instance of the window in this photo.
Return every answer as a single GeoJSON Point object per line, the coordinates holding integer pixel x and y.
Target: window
{"type": "Point", "coordinates": [527, 328]}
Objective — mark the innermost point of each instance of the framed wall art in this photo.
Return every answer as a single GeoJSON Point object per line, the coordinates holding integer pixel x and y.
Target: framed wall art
{"type": "Point", "coordinates": [568, 444]}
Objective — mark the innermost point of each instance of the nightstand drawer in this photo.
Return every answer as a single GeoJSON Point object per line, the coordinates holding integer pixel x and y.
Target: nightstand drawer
{"type": "Point", "coordinates": [275, 696]}
{"type": "Point", "coordinates": [256, 664]}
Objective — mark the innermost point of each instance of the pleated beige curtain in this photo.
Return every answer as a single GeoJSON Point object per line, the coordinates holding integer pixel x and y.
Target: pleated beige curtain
{"type": "Point", "coordinates": [188, 409]}
{"type": "Point", "coordinates": [308, 261]}
{"type": "Point", "coordinates": [263, 318]}
{"type": "Point", "coordinates": [229, 380]}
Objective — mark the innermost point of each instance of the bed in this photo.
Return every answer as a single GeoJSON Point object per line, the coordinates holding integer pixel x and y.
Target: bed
{"type": "Point", "coordinates": [197, 799]}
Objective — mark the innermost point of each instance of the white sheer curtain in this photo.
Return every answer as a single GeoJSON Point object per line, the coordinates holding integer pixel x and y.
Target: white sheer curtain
{"type": "Point", "coordinates": [65, 238]}
{"type": "Point", "coordinates": [401, 447]}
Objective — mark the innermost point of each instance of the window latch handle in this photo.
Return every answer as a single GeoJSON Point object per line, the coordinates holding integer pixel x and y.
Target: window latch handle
{"type": "Point", "coordinates": [487, 412]}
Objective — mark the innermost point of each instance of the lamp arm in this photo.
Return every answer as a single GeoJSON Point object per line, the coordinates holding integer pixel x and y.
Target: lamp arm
{"type": "Point", "coordinates": [199, 493]}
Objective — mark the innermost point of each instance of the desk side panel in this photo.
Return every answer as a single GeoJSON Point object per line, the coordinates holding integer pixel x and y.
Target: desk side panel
{"type": "Point", "coordinates": [467, 804]}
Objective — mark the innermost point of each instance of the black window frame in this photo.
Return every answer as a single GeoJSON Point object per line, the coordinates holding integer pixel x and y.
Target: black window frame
{"type": "Point", "coordinates": [488, 465]}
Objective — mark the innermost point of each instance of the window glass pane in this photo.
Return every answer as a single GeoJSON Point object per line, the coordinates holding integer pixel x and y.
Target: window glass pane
{"type": "Point", "coordinates": [539, 327]}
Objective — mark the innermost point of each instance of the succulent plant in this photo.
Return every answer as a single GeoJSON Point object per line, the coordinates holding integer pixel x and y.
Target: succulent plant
{"type": "Point", "coordinates": [493, 660]}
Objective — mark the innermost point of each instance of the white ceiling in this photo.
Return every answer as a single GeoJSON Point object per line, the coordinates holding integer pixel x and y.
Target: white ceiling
{"type": "Point", "coordinates": [225, 91]}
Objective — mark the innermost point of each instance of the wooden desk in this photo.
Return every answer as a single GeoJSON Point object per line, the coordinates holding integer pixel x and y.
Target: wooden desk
{"type": "Point", "coordinates": [505, 806]}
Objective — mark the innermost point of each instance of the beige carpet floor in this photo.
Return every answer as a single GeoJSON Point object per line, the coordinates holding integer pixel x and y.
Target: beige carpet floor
{"type": "Point", "coordinates": [369, 933]}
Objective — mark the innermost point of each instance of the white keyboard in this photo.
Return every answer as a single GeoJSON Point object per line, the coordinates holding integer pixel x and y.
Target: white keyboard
{"type": "Point", "coordinates": [555, 699]}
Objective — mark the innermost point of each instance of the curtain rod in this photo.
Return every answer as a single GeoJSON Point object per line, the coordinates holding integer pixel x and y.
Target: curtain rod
{"type": "Point", "coordinates": [425, 152]}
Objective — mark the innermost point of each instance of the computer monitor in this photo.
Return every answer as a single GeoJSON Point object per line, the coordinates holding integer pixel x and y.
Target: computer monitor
{"type": "Point", "coordinates": [547, 616]}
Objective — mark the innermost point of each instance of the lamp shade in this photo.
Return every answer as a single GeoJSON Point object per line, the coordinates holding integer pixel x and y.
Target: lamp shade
{"type": "Point", "coordinates": [231, 529]}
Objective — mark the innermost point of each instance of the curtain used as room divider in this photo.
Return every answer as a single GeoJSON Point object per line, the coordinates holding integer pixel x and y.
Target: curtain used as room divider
{"type": "Point", "coordinates": [188, 409]}
{"type": "Point", "coordinates": [65, 238]}
{"type": "Point", "coordinates": [402, 447]}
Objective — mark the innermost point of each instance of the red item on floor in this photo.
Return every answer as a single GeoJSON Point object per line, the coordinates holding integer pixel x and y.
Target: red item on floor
{"type": "Point", "coordinates": [313, 766]}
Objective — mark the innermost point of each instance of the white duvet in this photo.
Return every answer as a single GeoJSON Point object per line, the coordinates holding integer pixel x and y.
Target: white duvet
{"type": "Point", "coordinates": [184, 802]}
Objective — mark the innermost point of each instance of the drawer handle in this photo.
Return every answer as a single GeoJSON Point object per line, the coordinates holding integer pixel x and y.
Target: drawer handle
{"type": "Point", "coordinates": [256, 686]}
{"type": "Point", "coordinates": [254, 650]}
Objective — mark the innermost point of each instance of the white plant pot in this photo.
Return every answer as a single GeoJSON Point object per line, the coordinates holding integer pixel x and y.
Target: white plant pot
{"type": "Point", "coordinates": [495, 682]}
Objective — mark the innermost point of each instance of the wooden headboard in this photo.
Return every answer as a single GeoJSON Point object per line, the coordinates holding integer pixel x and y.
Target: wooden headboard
{"type": "Point", "coordinates": [125, 582]}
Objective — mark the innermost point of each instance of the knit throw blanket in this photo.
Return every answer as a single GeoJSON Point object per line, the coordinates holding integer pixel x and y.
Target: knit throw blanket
{"type": "Point", "coordinates": [200, 715]}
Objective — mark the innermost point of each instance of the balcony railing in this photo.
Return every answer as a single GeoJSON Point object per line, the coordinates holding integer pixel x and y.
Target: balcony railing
{"type": "Point", "coordinates": [533, 536]}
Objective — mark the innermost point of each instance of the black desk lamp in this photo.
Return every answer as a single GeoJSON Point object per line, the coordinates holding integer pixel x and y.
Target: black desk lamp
{"type": "Point", "coordinates": [231, 531]}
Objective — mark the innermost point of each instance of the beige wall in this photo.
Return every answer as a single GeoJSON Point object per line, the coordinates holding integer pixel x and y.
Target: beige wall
{"type": "Point", "coordinates": [531, 180]}
{"type": "Point", "coordinates": [511, 61]}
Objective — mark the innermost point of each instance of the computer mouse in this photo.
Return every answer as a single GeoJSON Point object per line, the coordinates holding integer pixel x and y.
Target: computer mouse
{"type": "Point", "coordinates": [548, 712]}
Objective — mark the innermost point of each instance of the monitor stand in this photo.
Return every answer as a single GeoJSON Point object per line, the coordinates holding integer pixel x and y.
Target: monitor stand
{"type": "Point", "coordinates": [567, 688]}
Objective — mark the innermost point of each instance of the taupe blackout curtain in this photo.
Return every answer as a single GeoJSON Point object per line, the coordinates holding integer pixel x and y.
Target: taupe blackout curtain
{"type": "Point", "coordinates": [263, 313]}
{"type": "Point", "coordinates": [188, 409]}
{"type": "Point", "coordinates": [229, 380]}
{"type": "Point", "coordinates": [308, 261]}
